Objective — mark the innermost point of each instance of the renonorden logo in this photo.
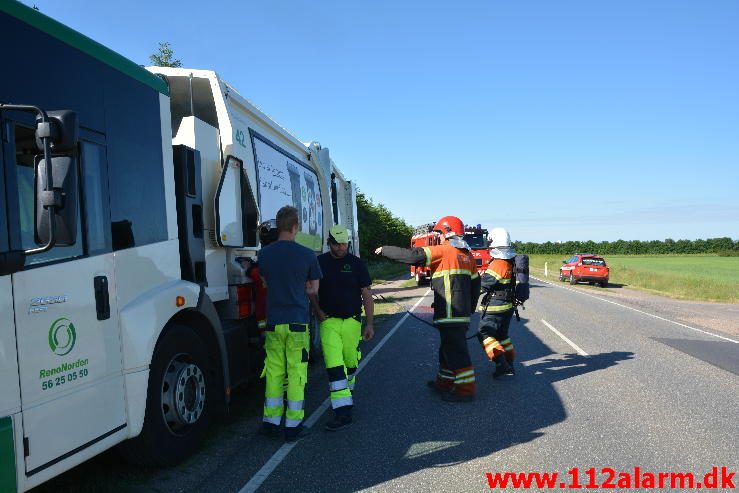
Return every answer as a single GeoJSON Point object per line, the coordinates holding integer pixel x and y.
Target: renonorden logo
{"type": "Point", "coordinates": [62, 336]}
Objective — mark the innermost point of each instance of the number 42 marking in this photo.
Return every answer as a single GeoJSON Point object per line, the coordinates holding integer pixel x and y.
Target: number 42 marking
{"type": "Point", "coordinates": [240, 138]}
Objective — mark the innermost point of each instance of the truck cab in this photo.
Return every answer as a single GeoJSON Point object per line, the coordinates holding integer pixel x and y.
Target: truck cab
{"type": "Point", "coordinates": [127, 197]}
{"type": "Point", "coordinates": [477, 238]}
{"type": "Point", "coordinates": [423, 236]}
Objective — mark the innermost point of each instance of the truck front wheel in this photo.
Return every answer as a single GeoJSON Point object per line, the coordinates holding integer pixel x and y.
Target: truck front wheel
{"type": "Point", "coordinates": [179, 401]}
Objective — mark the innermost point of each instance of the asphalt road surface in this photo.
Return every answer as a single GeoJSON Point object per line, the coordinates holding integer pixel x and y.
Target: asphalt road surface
{"type": "Point", "coordinates": [598, 385]}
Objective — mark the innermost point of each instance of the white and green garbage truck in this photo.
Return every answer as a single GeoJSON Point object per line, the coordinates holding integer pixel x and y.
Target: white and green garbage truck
{"type": "Point", "coordinates": [126, 196]}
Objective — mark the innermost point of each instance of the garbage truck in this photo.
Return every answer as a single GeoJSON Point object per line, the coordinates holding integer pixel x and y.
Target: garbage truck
{"type": "Point", "coordinates": [126, 197]}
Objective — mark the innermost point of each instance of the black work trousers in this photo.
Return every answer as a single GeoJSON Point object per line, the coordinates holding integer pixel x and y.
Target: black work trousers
{"type": "Point", "coordinates": [453, 352]}
{"type": "Point", "coordinates": [495, 325]}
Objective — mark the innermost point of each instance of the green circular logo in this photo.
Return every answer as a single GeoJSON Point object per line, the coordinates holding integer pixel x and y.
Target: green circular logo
{"type": "Point", "coordinates": [62, 336]}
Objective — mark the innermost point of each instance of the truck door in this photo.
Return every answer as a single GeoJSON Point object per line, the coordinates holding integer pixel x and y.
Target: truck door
{"type": "Point", "coordinates": [10, 398]}
{"type": "Point", "coordinates": [69, 349]}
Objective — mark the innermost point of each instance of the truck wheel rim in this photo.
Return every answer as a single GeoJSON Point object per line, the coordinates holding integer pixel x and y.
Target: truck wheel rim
{"type": "Point", "coordinates": [183, 393]}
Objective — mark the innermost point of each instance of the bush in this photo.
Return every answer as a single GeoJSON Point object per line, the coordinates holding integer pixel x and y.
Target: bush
{"type": "Point", "coordinates": [728, 253]}
{"type": "Point", "coordinates": [633, 247]}
{"type": "Point", "coordinates": [378, 226]}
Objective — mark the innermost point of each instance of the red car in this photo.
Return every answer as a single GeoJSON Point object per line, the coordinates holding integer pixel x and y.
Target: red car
{"type": "Point", "coordinates": [584, 267]}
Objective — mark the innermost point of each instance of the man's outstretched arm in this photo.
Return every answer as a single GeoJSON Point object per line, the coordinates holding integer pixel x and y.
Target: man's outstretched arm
{"type": "Point", "coordinates": [413, 256]}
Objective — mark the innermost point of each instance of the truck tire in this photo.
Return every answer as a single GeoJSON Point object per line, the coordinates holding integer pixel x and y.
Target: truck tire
{"type": "Point", "coordinates": [572, 278]}
{"type": "Point", "coordinates": [179, 403]}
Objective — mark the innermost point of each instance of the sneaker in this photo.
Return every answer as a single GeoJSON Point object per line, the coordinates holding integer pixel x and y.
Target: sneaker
{"type": "Point", "coordinates": [269, 430]}
{"type": "Point", "coordinates": [296, 437]}
{"type": "Point", "coordinates": [452, 396]}
{"type": "Point", "coordinates": [339, 423]}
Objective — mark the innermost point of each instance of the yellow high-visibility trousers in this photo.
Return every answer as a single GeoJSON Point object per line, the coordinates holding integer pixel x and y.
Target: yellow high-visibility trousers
{"type": "Point", "coordinates": [287, 348]}
{"type": "Point", "coordinates": [340, 343]}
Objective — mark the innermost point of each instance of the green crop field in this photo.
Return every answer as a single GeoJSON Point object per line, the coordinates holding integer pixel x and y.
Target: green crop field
{"type": "Point", "coordinates": [695, 277]}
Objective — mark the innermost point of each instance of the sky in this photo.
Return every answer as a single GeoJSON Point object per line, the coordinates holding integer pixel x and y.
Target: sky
{"type": "Point", "coordinates": [559, 120]}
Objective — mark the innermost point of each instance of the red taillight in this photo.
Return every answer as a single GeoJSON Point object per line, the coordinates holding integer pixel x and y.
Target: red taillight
{"type": "Point", "coordinates": [245, 300]}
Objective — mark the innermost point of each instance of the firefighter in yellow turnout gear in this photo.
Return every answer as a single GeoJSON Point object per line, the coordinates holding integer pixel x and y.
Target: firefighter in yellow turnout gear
{"type": "Point", "coordinates": [344, 289]}
{"type": "Point", "coordinates": [291, 274]}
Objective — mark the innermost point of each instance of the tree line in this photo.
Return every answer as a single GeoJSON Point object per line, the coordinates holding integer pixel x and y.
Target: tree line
{"type": "Point", "coordinates": [721, 246]}
{"type": "Point", "coordinates": [378, 226]}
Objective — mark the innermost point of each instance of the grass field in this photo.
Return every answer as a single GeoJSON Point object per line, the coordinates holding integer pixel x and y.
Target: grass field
{"type": "Point", "coordinates": [693, 277]}
{"type": "Point", "coordinates": [386, 270]}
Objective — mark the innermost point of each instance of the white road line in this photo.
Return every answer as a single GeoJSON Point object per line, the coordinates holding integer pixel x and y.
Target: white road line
{"type": "Point", "coordinates": [261, 476]}
{"type": "Point", "coordinates": [564, 338]}
{"type": "Point", "coordinates": [637, 310]}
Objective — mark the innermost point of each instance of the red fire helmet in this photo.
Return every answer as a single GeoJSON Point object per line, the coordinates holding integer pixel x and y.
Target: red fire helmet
{"type": "Point", "coordinates": [450, 226]}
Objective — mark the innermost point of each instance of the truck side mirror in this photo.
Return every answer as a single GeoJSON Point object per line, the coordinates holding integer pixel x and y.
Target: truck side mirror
{"type": "Point", "coordinates": [63, 195]}
{"type": "Point", "coordinates": [63, 130]}
{"type": "Point", "coordinates": [60, 190]}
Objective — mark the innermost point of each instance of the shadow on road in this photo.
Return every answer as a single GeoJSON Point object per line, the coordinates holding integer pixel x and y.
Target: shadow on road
{"type": "Point", "coordinates": [403, 427]}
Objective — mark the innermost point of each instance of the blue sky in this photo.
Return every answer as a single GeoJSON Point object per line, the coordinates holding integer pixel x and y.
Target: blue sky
{"type": "Point", "coordinates": [569, 120]}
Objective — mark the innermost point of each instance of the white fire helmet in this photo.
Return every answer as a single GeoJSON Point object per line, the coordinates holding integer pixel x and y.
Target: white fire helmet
{"type": "Point", "coordinates": [500, 244]}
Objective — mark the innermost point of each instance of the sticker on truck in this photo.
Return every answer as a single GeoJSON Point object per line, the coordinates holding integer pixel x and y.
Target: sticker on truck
{"type": "Point", "coordinates": [285, 180]}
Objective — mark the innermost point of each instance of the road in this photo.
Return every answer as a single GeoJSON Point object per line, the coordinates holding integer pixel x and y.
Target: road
{"type": "Point", "coordinates": [597, 385]}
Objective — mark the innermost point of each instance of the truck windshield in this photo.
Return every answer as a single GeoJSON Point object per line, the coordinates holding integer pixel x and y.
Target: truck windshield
{"type": "Point", "coordinates": [476, 241]}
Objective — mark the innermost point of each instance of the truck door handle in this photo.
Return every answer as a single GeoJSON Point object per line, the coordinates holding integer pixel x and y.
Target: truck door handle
{"type": "Point", "coordinates": [102, 298]}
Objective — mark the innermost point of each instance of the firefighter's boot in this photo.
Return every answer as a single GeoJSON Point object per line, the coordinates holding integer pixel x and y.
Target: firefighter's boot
{"type": "Point", "coordinates": [444, 380]}
{"type": "Point", "coordinates": [464, 386]}
{"type": "Point", "coordinates": [501, 366]}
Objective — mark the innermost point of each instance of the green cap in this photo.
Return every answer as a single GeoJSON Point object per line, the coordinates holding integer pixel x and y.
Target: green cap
{"type": "Point", "coordinates": [339, 234]}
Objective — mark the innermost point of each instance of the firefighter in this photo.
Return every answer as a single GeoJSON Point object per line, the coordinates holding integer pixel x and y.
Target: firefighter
{"type": "Point", "coordinates": [345, 288]}
{"type": "Point", "coordinates": [291, 273]}
{"type": "Point", "coordinates": [497, 305]}
{"type": "Point", "coordinates": [456, 286]}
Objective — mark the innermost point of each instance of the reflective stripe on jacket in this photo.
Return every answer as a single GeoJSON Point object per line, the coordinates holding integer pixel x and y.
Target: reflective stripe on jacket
{"type": "Point", "coordinates": [498, 278]}
{"type": "Point", "coordinates": [455, 282]}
